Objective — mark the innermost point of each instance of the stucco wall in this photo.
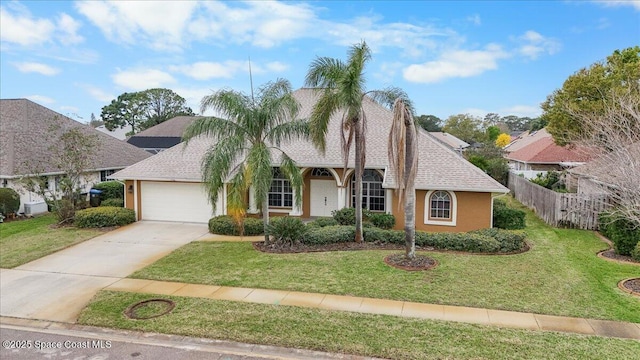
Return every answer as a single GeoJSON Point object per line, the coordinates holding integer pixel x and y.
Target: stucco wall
{"type": "Point", "coordinates": [473, 212]}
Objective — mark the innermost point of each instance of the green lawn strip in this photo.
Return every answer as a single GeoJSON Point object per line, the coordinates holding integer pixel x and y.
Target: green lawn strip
{"type": "Point", "coordinates": [27, 240]}
{"type": "Point", "coordinates": [352, 333]}
{"type": "Point", "coordinates": [560, 275]}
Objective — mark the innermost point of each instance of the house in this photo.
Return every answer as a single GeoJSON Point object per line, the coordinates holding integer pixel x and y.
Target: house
{"type": "Point", "coordinates": [26, 138]}
{"type": "Point", "coordinates": [536, 153]}
{"type": "Point", "coordinates": [118, 133]}
{"type": "Point", "coordinates": [608, 172]}
{"type": "Point", "coordinates": [162, 136]}
{"type": "Point", "coordinates": [451, 141]}
{"type": "Point", "coordinates": [451, 193]}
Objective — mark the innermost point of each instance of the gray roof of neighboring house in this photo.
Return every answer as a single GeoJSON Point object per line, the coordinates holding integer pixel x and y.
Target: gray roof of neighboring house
{"type": "Point", "coordinates": [449, 140]}
{"type": "Point", "coordinates": [26, 139]}
{"type": "Point", "coordinates": [173, 127]}
{"type": "Point", "coordinates": [439, 166]}
{"type": "Point", "coordinates": [526, 138]}
{"type": "Point", "coordinates": [118, 133]}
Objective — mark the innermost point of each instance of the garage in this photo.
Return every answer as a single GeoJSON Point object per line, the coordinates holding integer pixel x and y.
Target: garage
{"type": "Point", "coordinates": [175, 201]}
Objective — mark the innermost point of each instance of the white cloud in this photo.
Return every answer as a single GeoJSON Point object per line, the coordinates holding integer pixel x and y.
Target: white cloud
{"type": "Point", "coordinates": [68, 30]}
{"type": "Point", "coordinates": [40, 99]}
{"type": "Point", "coordinates": [97, 93]}
{"type": "Point", "coordinates": [34, 67]}
{"type": "Point", "coordinates": [456, 64]}
{"type": "Point", "coordinates": [276, 66]}
{"type": "Point", "coordinates": [160, 23]}
{"type": "Point", "coordinates": [19, 27]}
{"type": "Point", "coordinates": [211, 70]}
{"type": "Point", "coordinates": [619, 3]}
{"type": "Point", "coordinates": [521, 111]}
{"type": "Point", "coordinates": [141, 79]}
{"type": "Point", "coordinates": [474, 19]}
{"type": "Point", "coordinates": [170, 25]}
{"type": "Point", "coordinates": [533, 44]}
{"type": "Point", "coordinates": [193, 96]}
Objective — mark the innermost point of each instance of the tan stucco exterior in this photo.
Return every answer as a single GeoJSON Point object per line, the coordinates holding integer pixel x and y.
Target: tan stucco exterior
{"type": "Point", "coordinates": [473, 212]}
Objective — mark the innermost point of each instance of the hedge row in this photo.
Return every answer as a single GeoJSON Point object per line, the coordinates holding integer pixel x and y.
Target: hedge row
{"type": "Point", "coordinates": [112, 202]}
{"type": "Point", "coordinates": [481, 241]}
{"type": "Point", "coordinates": [110, 190]}
{"type": "Point", "coordinates": [9, 201]}
{"type": "Point", "coordinates": [505, 217]}
{"type": "Point", "coordinates": [226, 225]}
{"type": "Point", "coordinates": [104, 216]}
{"type": "Point", "coordinates": [624, 234]}
{"type": "Point", "coordinates": [635, 253]}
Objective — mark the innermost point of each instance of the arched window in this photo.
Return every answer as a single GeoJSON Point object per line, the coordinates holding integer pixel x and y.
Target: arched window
{"type": "Point", "coordinates": [373, 195]}
{"type": "Point", "coordinates": [321, 172]}
{"type": "Point", "coordinates": [280, 193]}
{"type": "Point", "coordinates": [440, 208]}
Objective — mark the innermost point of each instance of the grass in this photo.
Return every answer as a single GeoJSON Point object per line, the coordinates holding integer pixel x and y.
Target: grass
{"type": "Point", "coordinates": [27, 240]}
{"type": "Point", "coordinates": [560, 275]}
{"type": "Point", "coordinates": [352, 333]}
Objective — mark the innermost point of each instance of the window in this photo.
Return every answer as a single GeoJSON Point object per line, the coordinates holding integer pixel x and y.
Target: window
{"type": "Point", "coordinates": [373, 195]}
{"type": "Point", "coordinates": [440, 205]}
{"type": "Point", "coordinates": [280, 193]}
{"type": "Point", "coordinates": [105, 173]}
{"type": "Point", "coordinates": [440, 208]}
{"type": "Point", "coordinates": [320, 172]}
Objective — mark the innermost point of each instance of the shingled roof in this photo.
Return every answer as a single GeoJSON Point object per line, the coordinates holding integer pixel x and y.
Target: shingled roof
{"type": "Point", "coordinates": [26, 138]}
{"type": "Point", "coordinates": [439, 167]}
{"type": "Point", "coordinates": [545, 151]}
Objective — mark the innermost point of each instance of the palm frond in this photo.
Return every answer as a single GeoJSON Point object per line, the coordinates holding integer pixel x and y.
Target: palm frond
{"type": "Point", "coordinates": [387, 97]}
{"type": "Point", "coordinates": [259, 162]}
{"type": "Point", "coordinates": [210, 126]}
{"type": "Point", "coordinates": [217, 165]}
{"type": "Point", "coordinates": [296, 129]}
{"type": "Point", "coordinates": [402, 150]}
{"type": "Point", "coordinates": [290, 169]}
{"type": "Point", "coordinates": [326, 106]}
{"type": "Point", "coordinates": [324, 73]}
{"type": "Point", "coordinates": [227, 103]}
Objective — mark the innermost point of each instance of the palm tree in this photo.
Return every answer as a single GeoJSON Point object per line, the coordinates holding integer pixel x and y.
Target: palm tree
{"type": "Point", "coordinates": [245, 136]}
{"type": "Point", "coordinates": [403, 157]}
{"type": "Point", "coordinates": [342, 90]}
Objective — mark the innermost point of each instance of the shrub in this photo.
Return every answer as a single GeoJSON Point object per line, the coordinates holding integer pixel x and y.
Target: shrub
{"type": "Point", "coordinates": [110, 190]}
{"type": "Point", "coordinates": [226, 225]}
{"type": "Point", "coordinates": [322, 222]}
{"type": "Point", "coordinates": [377, 235]}
{"type": "Point", "coordinates": [622, 232]}
{"type": "Point", "coordinates": [635, 253]}
{"type": "Point", "coordinates": [382, 220]}
{"type": "Point", "coordinates": [104, 216]}
{"type": "Point", "coordinates": [510, 240]}
{"type": "Point", "coordinates": [286, 229]}
{"type": "Point", "coordinates": [113, 202]}
{"type": "Point", "coordinates": [345, 216]}
{"type": "Point", "coordinates": [9, 201]}
{"type": "Point", "coordinates": [469, 242]}
{"type": "Point", "coordinates": [508, 218]}
{"type": "Point", "coordinates": [329, 235]}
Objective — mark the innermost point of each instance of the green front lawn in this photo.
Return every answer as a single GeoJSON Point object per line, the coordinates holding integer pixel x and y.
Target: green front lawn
{"type": "Point", "coordinates": [560, 275]}
{"type": "Point", "coordinates": [352, 333]}
{"type": "Point", "coordinates": [27, 240]}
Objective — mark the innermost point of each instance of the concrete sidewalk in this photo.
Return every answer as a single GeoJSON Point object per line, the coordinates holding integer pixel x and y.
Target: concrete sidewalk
{"type": "Point", "coordinates": [510, 319]}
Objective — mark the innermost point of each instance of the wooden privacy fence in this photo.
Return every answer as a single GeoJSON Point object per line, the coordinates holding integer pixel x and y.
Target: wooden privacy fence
{"type": "Point", "coordinates": [579, 211]}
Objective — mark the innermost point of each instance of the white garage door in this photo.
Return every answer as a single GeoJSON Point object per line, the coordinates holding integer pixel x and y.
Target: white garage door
{"type": "Point", "coordinates": [172, 201]}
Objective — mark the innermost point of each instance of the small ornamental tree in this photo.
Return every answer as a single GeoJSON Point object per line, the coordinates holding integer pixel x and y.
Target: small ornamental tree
{"type": "Point", "coordinates": [503, 140]}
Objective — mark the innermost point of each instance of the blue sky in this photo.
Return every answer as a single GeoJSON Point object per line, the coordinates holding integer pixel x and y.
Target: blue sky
{"type": "Point", "coordinates": [451, 57]}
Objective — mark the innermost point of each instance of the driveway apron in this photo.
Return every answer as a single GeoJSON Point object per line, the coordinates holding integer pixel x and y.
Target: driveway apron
{"type": "Point", "coordinates": [58, 286]}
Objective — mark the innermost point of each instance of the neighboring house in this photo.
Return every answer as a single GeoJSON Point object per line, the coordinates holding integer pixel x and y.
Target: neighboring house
{"type": "Point", "coordinates": [597, 176]}
{"type": "Point", "coordinates": [118, 133]}
{"type": "Point", "coordinates": [525, 138]}
{"type": "Point", "coordinates": [162, 136]}
{"type": "Point", "coordinates": [537, 153]}
{"type": "Point", "coordinates": [451, 141]}
{"type": "Point", "coordinates": [26, 140]}
{"type": "Point", "coordinates": [451, 193]}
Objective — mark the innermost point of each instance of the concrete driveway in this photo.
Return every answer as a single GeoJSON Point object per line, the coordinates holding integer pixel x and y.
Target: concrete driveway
{"type": "Point", "coordinates": [57, 287]}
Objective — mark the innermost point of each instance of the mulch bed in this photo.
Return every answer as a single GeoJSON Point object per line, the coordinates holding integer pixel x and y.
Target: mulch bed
{"type": "Point", "coordinates": [632, 285]}
{"type": "Point", "coordinates": [611, 254]}
{"type": "Point", "coordinates": [400, 261]}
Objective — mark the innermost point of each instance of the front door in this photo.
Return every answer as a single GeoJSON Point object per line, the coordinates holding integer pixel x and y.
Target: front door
{"type": "Point", "coordinates": [324, 197]}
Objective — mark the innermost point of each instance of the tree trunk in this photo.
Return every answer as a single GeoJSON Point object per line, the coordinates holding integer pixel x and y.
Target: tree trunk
{"type": "Point", "coordinates": [358, 181]}
{"type": "Point", "coordinates": [410, 197]}
{"type": "Point", "coordinates": [265, 219]}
